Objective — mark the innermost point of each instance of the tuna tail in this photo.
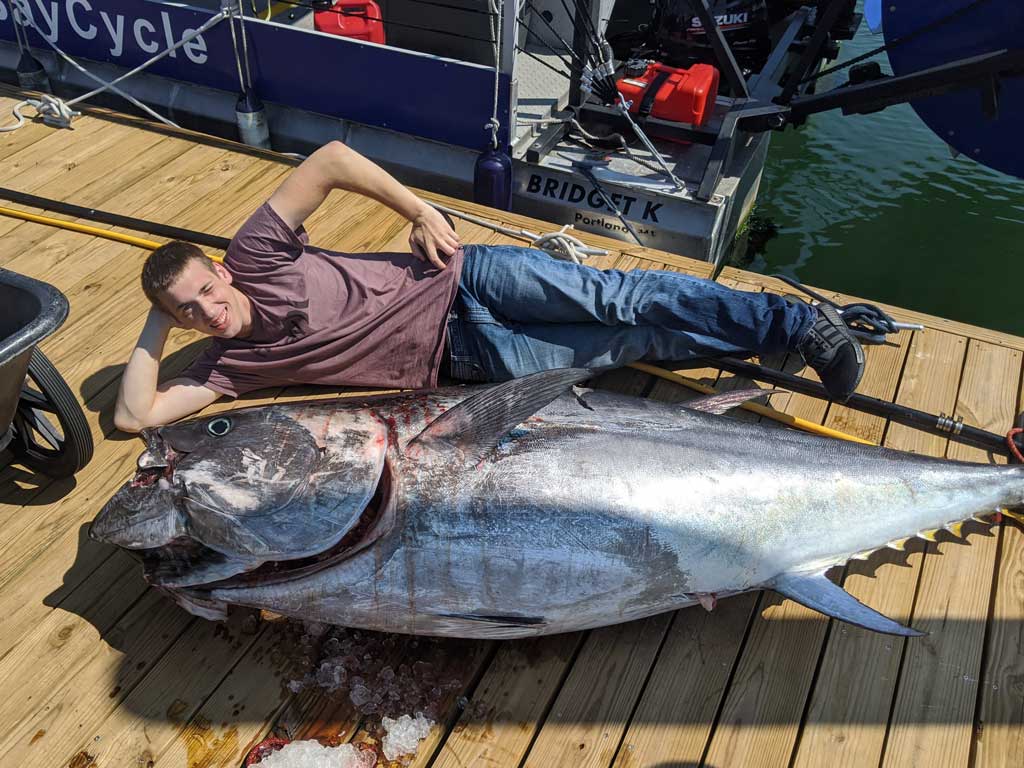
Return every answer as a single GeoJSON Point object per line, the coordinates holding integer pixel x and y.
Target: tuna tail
{"type": "Point", "coordinates": [815, 591]}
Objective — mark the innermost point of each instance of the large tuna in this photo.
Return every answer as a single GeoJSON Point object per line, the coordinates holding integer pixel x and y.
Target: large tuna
{"type": "Point", "coordinates": [525, 508]}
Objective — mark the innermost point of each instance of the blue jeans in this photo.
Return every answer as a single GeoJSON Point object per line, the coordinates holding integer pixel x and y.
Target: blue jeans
{"type": "Point", "coordinates": [520, 311]}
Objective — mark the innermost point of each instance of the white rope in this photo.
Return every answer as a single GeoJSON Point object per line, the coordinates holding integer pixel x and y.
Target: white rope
{"type": "Point", "coordinates": [229, 7]}
{"type": "Point", "coordinates": [245, 43]}
{"type": "Point", "coordinates": [230, 11]}
{"type": "Point", "coordinates": [18, 116]}
{"type": "Point", "coordinates": [564, 246]}
{"type": "Point", "coordinates": [493, 125]}
{"type": "Point", "coordinates": [56, 111]}
{"type": "Point", "coordinates": [559, 245]}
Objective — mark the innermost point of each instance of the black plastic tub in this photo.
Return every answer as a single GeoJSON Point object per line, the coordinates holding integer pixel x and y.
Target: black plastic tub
{"type": "Point", "coordinates": [41, 422]}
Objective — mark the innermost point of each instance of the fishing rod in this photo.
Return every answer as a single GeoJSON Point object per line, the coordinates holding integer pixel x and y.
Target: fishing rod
{"type": "Point", "coordinates": [114, 219]}
{"type": "Point", "coordinates": [1010, 445]}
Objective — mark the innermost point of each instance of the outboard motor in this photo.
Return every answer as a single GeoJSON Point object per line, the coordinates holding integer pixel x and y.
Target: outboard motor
{"type": "Point", "coordinates": [746, 25]}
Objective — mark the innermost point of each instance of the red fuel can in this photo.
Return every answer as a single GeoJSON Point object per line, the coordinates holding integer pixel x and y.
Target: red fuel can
{"type": "Point", "coordinates": [670, 93]}
{"type": "Point", "coordinates": [358, 19]}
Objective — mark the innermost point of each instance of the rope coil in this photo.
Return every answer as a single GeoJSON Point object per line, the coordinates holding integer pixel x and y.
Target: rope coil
{"type": "Point", "coordinates": [54, 111]}
{"type": "Point", "coordinates": [560, 245]}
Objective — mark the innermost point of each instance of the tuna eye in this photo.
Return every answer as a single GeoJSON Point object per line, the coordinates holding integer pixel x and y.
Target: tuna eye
{"type": "Point", "coordinates": [219, 427]}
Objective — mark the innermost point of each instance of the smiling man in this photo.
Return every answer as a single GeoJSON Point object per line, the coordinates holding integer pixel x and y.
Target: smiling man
{"type": "Point", "coordinates": [283, 311]}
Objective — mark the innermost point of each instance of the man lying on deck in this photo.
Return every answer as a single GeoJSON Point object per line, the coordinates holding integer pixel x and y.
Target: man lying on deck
{"type": "Point", "coordinates": [283, 312]}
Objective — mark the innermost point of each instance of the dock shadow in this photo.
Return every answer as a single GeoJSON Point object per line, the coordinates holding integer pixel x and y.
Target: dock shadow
{"type": "Point", "coordinates": [89, 557]}
{"type": "Point", "coordinates": [24, 487]}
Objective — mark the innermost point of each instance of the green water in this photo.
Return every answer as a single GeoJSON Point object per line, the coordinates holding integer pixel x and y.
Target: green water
{"type": "Point", "coordinates": [874, 205]}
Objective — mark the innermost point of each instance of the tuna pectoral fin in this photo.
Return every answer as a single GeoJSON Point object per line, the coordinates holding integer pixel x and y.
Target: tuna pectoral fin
{"type": "Point", "coordinates": [476, 425]}
{"type": "Point", "coordinates": [726, 400]}
{"type": "Point", "coordinates": [817, 592]}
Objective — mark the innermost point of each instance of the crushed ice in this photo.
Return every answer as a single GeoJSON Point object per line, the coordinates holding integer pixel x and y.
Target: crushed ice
{"type": "Point", "coordinates": [383, 676]}
{"type": "Point", "coordinates": [312, 754]}
{"type": "Point", "coordinates": [361, 665]}
{"type": "Point", "coordinates": [404, 735]}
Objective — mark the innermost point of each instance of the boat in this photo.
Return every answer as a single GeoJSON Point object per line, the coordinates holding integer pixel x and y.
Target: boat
{"type": "Point", "coordinates": [649, 123]}
{"type": "Point", "coordinates": [436, 90]}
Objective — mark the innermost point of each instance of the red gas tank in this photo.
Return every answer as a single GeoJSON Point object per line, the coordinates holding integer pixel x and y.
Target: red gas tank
{"type": "Point", "coordinates": [358, 19]}
{"type": "Point", "coordinates": [670, 93]}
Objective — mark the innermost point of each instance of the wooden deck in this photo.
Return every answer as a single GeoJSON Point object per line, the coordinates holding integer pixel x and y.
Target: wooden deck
{"type": "Point", "coordinates": [99, 670]}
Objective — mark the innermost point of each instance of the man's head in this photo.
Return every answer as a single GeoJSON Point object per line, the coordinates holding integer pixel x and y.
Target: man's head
{"type": "Point", "coordinates": [196, 291]}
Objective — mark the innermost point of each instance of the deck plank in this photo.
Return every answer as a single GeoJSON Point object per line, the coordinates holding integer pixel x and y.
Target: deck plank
{"type": "Point", "coordinates": [999, 740]}
{"type": "Point", "coordinates": [675, 717]}
{"type": "Point", "coordinates": [52, 254]}
{"type": "Point", "coordinates": [760, 721]}
{"type": "Point", "coordinates": [593, 708]}
{"type": "Point", "coordinates": [30, 165]}
{"type": "Point", "coordinates": [44, 715]}
{"type": "Point", "coordinates": [31, 132]}
{"type": "Point", "coordinates": [514, 694]}
{"type": "Point", "coordinates": [999, 737]}
{"type": "Point", "coordinates": [847, 721]}
{"type": "Point", "coordinates": [933, 719]}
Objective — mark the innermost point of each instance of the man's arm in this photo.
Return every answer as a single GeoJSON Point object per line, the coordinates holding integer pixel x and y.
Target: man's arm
{"type": "Point", "coordinates": [336, 166]}
{"type": "Point", "coordinates": [140, 402]}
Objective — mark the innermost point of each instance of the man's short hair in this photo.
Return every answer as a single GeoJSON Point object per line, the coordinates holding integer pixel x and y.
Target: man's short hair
{"type": "Point", "coordinates": [166, 264]}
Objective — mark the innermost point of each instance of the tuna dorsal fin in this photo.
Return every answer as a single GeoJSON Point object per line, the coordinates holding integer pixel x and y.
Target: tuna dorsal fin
{"type": "Point", "coordinates": [815, 591]}
{"type": "Point", "coordinates": [478, 423]}
{"type": "Point", "coordinates": [722, 402]}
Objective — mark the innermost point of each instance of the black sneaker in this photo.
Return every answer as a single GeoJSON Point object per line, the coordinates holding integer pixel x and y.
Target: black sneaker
{"type": "Point", "coordinates": [834, 353]}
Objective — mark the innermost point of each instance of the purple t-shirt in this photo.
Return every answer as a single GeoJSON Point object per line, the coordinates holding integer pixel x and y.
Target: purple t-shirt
{"type": "Point", "coordinates": [322, 317]}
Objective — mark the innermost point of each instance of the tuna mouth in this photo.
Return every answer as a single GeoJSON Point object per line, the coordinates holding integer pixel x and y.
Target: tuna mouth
{"type": "Point", "coordinates": [147, 476]}
{"type": "Point", "coordinates": [156, 463]}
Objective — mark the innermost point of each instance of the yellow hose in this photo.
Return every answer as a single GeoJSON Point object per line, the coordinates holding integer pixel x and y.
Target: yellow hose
{"type": "Point", "coordinates": [760, 410]}
{"type": "Point", "coordinates": [87, 230]}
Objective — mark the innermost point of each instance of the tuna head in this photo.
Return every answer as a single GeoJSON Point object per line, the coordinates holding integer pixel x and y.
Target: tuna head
{"type": "Point", "coordinates": [257, 484]}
